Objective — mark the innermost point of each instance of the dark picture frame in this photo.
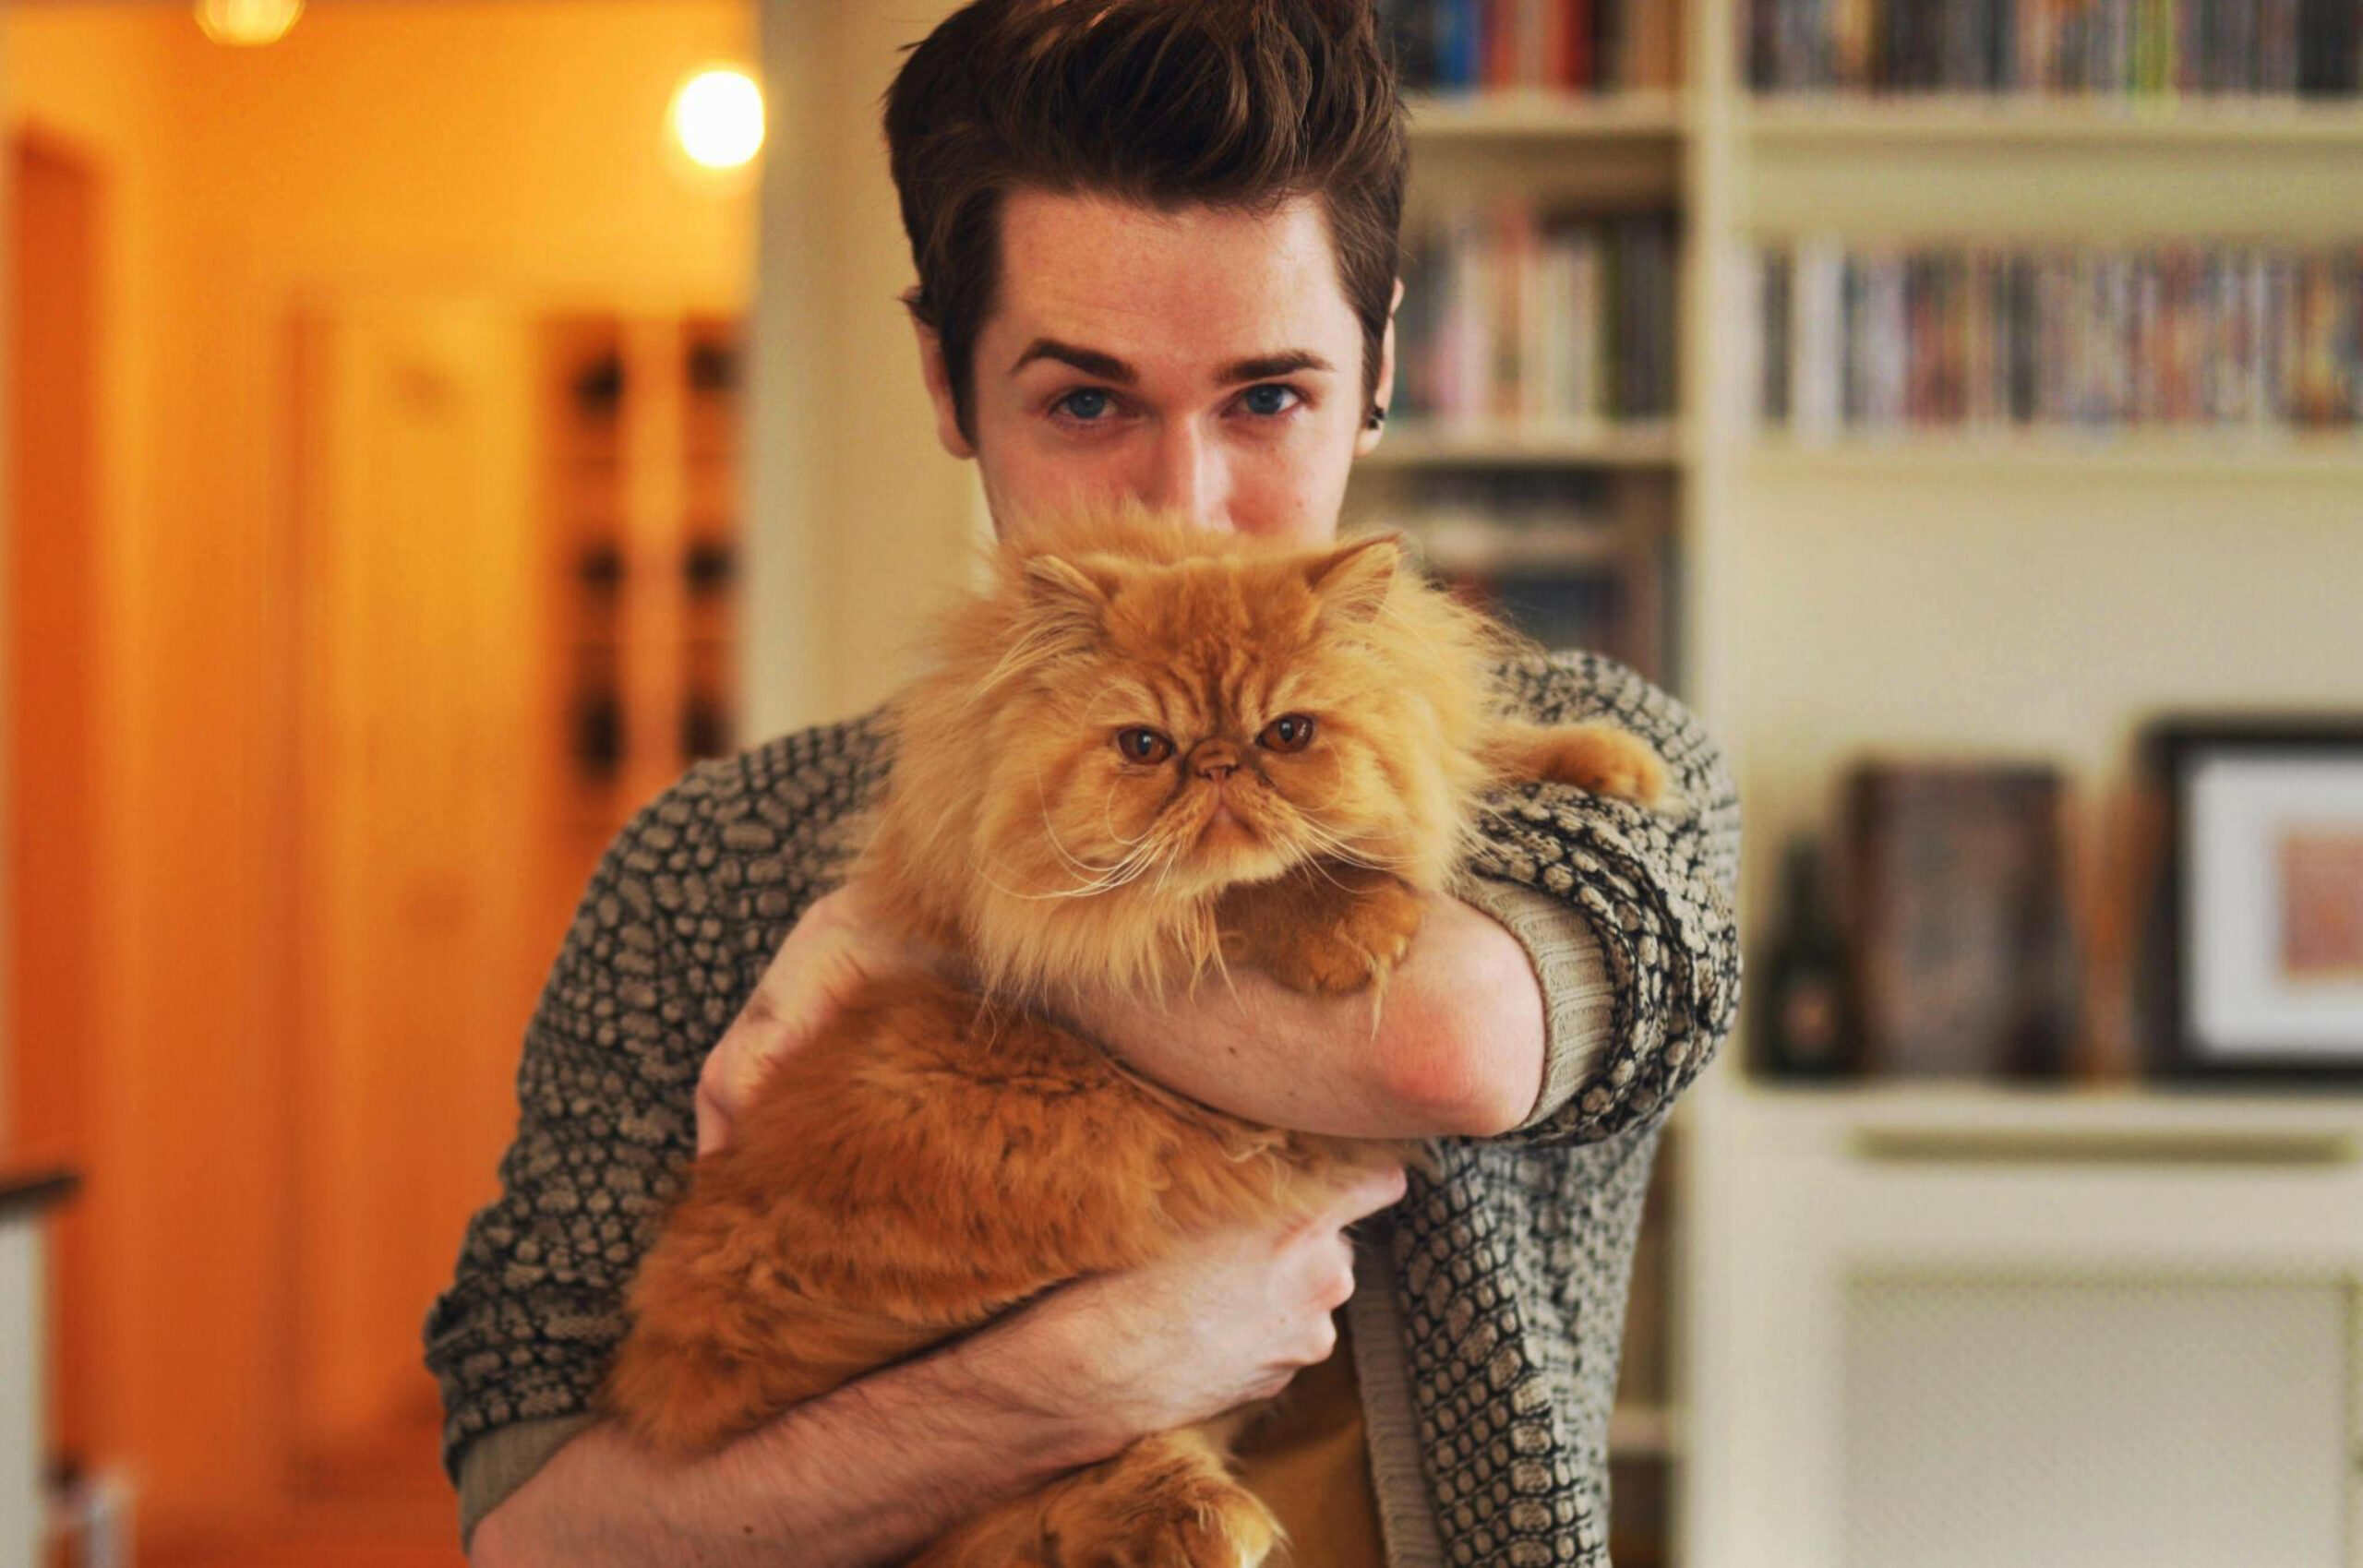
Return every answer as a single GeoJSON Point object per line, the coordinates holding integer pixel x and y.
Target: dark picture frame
{"type": "Point", "coordinates": [2254, 973]}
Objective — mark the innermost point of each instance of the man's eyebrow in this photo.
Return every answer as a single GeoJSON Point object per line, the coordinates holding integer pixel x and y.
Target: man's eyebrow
{"type": "Point", "coordinates": [1107, 367]}
{"type": "Point", "coordinates": [1264, 367]}
{"type": "Point", "coordinates": [1091, 362]}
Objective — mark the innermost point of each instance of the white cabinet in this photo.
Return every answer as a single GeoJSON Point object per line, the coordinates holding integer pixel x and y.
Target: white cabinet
{"type": "Point", "coordinates": [24, 1360]}
{"type": "Point", "coordinates": [1978, 1326]}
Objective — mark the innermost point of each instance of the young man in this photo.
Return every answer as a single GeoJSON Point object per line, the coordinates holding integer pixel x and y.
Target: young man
{"type": "Point", "coordinates": [1156, 247]}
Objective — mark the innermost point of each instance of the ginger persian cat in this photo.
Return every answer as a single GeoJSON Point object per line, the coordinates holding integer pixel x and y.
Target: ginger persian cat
{"type": "Point", "coordinates": [1143, 752]}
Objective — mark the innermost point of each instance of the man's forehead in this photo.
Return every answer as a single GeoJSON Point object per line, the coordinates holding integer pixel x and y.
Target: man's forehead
{"type": "Point", "coordinates": [1195, 288]}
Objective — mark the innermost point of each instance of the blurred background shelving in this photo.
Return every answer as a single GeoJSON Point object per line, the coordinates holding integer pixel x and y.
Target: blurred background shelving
{"type": "Point", "coordinates": [1539, 446]}
{"type": "Point", "coordinates": [2000, 589]}
{"type": "Point", "coordinates": [639, 426]}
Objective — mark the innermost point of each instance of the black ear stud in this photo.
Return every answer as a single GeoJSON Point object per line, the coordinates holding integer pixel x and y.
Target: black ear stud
{"type": "Point", "coordinates": [1377, 417]}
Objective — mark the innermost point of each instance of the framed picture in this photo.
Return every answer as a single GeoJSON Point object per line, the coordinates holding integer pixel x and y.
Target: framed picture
{"type": "Point", "coordinates": [2259, 949]}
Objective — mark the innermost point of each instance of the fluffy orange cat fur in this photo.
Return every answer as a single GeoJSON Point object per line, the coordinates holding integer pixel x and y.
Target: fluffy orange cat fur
{"type": "Point", "coordinates": [1142, 753]}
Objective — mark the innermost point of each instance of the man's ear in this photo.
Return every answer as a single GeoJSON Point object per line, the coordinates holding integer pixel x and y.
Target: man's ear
{"type": "Point", "coordinates": [1366, 439]}
{"type": "Point", "coordinates": [939, 386]}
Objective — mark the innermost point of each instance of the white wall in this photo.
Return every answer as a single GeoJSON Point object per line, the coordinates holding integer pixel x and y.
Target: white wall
{"type": "Point", "coordinates": [856, 513]}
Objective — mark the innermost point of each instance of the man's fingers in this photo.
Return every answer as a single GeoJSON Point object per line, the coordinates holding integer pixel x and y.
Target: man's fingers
{"type": "Point", "coordinates": [736, 1065]}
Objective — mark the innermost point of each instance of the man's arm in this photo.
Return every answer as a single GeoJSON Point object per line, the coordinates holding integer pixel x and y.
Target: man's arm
{"type": "Point", "coordinates": [863, 1476]}
{"type": "Point", "coordinates": [869, 1472]}
{"type": "Point", "coordinates": [1655, 890]}
{"type": "Point", "coordinates": [1600, 978]}
{"type": "Point", "coordinates": [1459, 1046]}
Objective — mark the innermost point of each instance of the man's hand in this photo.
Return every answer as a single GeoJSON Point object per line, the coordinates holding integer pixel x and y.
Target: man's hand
{"type": "Point", "coordinates": [835, 949]}
{"type": "Point", "coordinates": [1227, 1317]}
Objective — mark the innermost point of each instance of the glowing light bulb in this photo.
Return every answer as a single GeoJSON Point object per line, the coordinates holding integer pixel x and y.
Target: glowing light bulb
{"type": "Point", "coordinates": [248, 24]}
{"type": "Point", "coordinates": [718, 117]}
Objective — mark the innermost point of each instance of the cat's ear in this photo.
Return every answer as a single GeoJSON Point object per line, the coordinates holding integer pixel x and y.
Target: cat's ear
{"type": "Point", "coordinates": [1055, 581]}
{"type": "Point", "coordinates": [1069, 595]}
{"type": "Point", "coordinates": [1352, 580]}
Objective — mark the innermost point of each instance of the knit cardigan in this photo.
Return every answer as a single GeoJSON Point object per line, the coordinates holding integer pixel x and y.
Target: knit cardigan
{"type": "Point", "coordinates": [1490, 1302]}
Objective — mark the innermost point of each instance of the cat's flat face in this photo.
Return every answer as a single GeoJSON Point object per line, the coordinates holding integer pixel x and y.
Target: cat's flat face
{"type": "Point", "coordinates": [1136, 714]}
{"type": "Point", "coordinates": [1202, 723]}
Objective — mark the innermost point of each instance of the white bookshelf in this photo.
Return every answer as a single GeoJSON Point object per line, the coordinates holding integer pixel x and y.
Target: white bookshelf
{"type": "Point", "coordinates": [1528, 114]}
{"type": "Point", "coordinates": [1769, 521]}
{"type": "Point", "coordinates": [1804, 122]}
{"type": "Point", "coordinates": [1613, 153]}
{"type": "Point", "coordinates": [2231, 453]}
{"type": "Point", "coordinates": [1637, 444]}
{"type": "Point", "coordinates": [1980, 590]}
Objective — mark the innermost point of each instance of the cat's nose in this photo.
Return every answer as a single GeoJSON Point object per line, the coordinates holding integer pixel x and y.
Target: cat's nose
{"type": "Point", "coordinates": [1214, 759]}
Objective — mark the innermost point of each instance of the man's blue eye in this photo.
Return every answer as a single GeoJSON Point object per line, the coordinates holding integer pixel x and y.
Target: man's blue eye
{"type": "Point", "coordinates": [1086, 403]}
{"type": "Point", "coordinates": [1266, 400]}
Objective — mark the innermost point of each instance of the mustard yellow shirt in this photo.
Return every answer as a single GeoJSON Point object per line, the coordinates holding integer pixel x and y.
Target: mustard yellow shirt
{"type": "Point", "coordinates": [1309, 1463]}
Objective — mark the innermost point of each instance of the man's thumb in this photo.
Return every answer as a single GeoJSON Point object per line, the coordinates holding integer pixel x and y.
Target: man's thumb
{"type": "Point", "coordinates": [713, 1123]}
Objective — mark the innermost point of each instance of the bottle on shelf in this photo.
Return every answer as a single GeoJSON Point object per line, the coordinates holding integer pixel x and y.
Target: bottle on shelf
{"type": "Point", "coordinates": [1801, 1027]}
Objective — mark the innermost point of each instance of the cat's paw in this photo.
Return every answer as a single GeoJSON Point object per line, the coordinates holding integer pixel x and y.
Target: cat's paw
{"type": "Point", "coordinates": [1352, 946]}
{"type": "Point", "coordinates": [1609, 762]}
{"type": "Point", "coordinates": [1192, 1521]}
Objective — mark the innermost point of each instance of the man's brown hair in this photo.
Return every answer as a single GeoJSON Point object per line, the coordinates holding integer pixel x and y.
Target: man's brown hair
{"type": "Point", "coordinates": [1233, 104]}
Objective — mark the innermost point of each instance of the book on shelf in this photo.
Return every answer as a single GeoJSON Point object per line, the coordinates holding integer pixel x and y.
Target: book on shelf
{"type": "Point", "coordinates": [1520, 319]}
{"type": "Point", "coordinates": [2103, 48]}
{"type": "Point", "coordinates": [1458, 46]}
{"type": "Point", "coordinates": [2183, 335]}
{"type": "Point", "coordinates": [1574, 558]}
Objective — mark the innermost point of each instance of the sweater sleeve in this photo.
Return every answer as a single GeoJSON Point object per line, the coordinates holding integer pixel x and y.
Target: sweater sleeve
{"type": "Point", "coordinates": [604, 1119]}
{"type": "Point", "coordinates": [1578, 999]}
{"type": "Point", "coordinates": [1627, 915]}
{"type": "Point", "coordinates": [681, 916]}
{"type": "Point", "coordinates": [504, 1459]}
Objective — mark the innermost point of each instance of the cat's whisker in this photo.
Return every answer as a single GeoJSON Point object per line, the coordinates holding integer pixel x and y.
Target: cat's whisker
{"type": "Point", "coordinates": [1353, 854]}
{"type": "Point", "coordinates": [1085, 890]}
{"type": "Point", "coordinates": [1099, 878]}
{"type": "Point", "coordinates": [1320, 870]}
{"type": "Point", "coordinates": [992, 1021]}
{"type": "Point", "coordinates": [1052, 832]}
{"type": "Point", "coordinates": [1108, 820]}
{"type": "Point", "coordinates": [1172, 859]}
{"type": "Point", "coordinates": [1321, 838]}
{"type": "Point", "coordinates": [1222, 967]}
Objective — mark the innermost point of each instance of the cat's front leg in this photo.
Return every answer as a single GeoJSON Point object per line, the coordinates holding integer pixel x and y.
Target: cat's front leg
{"type": "Point", "coordinates": [1596, 756]}
{"type": "Point", "coordinates": [1166, 1502]}
{"type": "Point", "coordinates": [1326, 927]}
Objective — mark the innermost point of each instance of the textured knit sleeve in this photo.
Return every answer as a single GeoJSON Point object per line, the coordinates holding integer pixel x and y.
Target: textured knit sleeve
{"type": "Point", "coordinates": [1640, 959]}
{"type": "Point", "coordinates": [1578, 998]}
{"type": "Point", "coordinates": [683, 913]}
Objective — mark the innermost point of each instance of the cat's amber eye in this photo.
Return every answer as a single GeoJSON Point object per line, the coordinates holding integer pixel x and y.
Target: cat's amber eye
{"type": "Point", "coordinates": [1143, 745]}
{"type": "Point", "coordinates": [1289, 732]}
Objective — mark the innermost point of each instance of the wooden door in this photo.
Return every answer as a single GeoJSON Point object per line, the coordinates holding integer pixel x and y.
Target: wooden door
{"type": "Point", "coordinates": [414, 738]}
{"type": "Point", "coordinates": [52, 761]}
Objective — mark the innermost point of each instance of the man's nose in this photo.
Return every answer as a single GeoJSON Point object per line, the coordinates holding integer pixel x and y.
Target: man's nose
{"type": "Point", "coordinates": [1185, 475]}
{"type": "Point", "coordinates": [1215, 759]}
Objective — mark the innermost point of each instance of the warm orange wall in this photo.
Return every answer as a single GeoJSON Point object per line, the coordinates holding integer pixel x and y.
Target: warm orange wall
{"type": "Point", "coordinates": [98, 85]}
{"type": "Point", "coordinates": [510, 148]}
